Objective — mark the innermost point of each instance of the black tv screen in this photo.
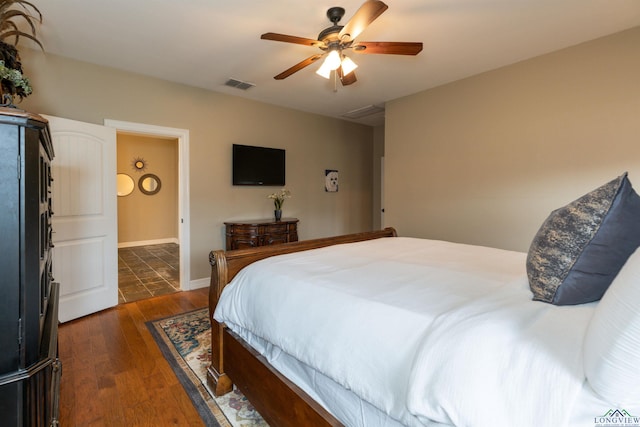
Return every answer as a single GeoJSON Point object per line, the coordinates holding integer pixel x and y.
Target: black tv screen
{"type": "Point", "coordinates": [258, 165]}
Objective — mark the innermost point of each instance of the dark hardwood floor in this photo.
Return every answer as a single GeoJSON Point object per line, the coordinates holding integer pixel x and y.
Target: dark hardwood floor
{"type": "Point", "coordinates": [113, 373]}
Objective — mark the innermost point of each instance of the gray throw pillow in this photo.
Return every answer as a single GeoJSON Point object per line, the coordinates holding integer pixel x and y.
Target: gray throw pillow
{"type": "Point", "coordinates": [580, 247]}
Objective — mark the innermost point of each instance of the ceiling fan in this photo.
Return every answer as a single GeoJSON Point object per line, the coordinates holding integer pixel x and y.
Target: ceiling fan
{"type": "Point", "coordinates": [336, 39]}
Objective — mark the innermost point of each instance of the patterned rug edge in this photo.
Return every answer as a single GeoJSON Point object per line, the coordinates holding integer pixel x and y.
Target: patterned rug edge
{"type": "Point", "coordinates": [202, 400]}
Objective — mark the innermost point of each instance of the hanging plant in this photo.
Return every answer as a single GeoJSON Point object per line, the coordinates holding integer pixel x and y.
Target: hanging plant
{"type": "Point", "coordinates": [13, 12]}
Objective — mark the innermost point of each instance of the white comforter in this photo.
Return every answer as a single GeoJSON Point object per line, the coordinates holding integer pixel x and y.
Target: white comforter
{"type": "Point", "coordinates": [423, 330]}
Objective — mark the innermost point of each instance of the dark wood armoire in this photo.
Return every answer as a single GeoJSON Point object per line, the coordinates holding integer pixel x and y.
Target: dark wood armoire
{"type": "Point", "coordinates": [29, 366]}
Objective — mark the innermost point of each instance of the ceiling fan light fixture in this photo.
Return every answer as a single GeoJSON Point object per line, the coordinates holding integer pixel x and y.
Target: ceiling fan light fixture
{"type": "Point", "coordinates": [324, 70]}
{"type": "Point", "coordinates": [348, 65]}
{"type": "Point", "coordinates": [333, 60]}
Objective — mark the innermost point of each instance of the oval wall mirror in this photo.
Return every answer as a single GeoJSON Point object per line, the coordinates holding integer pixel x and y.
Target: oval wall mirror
{"type": "Point", "coordinates": [149, 184]}
{"type": "Point", "coordinates": [124, 184]}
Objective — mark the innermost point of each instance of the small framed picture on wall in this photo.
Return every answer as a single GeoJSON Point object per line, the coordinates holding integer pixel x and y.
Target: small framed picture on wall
{"type": "Point", "coordinates": [331, 181]}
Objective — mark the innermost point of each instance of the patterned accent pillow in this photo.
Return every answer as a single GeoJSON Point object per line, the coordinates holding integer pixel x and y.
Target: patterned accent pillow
{"type": "Point", "coordinates": [580, 247]}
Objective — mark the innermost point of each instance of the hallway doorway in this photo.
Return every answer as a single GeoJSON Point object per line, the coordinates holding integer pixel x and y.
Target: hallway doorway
{"type": "Point", "coordinates": [156, 263]}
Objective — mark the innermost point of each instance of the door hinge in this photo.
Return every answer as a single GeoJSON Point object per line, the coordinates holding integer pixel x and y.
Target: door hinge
{"type": "Point", "coordinates": [19, 168]}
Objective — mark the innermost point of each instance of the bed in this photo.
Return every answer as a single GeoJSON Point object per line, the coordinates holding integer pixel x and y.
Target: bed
{"type": "Point", "coordinates": [374, 330]}
{"type": "Point", "coordinates": [279, 400]}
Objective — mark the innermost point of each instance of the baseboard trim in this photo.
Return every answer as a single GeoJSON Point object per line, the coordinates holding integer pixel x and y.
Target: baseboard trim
{"type": "Point", "coordinates": [199, 283]}
{"type": "Point", "coordinates": [149, 242]}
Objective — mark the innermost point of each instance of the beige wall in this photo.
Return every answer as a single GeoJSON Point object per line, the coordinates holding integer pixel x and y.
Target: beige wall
{"type": "Point", "coordinates": [313, 143]}
{"type": "Point", "coordinates": [484, 160]}
{"type": "Point", "coordinates": [142, 217]}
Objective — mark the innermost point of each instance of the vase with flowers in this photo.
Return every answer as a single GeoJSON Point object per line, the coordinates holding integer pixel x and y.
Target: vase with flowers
{"type": "Point", "coordinates": [278, 199]}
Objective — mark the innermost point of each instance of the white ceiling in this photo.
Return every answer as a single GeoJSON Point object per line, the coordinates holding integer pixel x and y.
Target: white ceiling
{"type": "Point", "coordinates": [203, 43]}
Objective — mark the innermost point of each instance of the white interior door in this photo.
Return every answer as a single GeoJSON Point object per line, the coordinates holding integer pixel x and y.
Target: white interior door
{"type": "Point", "coordinates": [85, 256]}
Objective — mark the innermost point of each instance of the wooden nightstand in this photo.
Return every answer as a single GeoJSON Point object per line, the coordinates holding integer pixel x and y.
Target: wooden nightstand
{"type": "Point", "coordinates": [250, 234]}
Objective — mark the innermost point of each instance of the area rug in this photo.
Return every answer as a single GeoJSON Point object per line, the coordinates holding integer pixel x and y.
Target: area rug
{"type": "Point", "coordinates": [185, 341]}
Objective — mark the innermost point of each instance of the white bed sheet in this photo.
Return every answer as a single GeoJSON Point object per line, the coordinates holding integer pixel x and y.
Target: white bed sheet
{"type": "Point", "coordinates": [374, 316]}
{"type": "Point", "coordinates": [343, 404]}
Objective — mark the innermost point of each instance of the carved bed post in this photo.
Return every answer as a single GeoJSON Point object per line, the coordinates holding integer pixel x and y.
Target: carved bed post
{"type": "Point", "coordinates": [216, 377]}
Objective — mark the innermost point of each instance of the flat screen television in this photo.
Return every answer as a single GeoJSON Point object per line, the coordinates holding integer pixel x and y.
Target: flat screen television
{"type": "Point", "coordinates": [258, 165]}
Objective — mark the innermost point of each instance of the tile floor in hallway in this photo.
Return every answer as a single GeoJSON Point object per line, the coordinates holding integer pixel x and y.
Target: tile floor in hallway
{"type": "Point", "coordinates": [147, 271]}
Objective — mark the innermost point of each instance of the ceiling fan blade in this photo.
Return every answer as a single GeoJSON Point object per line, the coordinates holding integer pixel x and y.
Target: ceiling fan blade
{"type": "Point", "coordinates": [290, 39]}
{"type": "Point", "coordinates": [392, 48]}
{"type": "Point", "coordinates": [299, 66]}
{"type": "Point", "coordinates": [348, 79]}
{"type": "Point", "coordinates": [364, 16]}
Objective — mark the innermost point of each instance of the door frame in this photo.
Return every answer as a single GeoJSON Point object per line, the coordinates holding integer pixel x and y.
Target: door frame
{"type": "Point", "coordinates": [382, 225]}
{"type": "Point", "coordinates": [182, 135]}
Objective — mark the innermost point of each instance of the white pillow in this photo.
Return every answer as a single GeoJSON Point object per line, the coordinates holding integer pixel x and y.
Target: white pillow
{"type": "Point", "coordinates": [612, 341]}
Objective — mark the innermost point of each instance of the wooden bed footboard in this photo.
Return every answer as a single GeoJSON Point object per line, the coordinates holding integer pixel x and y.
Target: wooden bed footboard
{"type": "Point", "coordinates": [224, 267]}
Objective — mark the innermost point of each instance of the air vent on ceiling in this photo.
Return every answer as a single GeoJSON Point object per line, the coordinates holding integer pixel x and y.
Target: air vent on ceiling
{"type": "Point", "coordinates": [239, 84]}
{"type": "Point", "coordinates": [363, 112]}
